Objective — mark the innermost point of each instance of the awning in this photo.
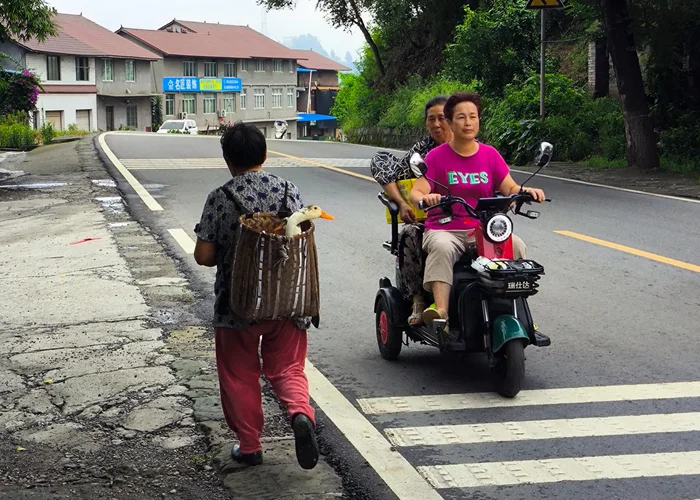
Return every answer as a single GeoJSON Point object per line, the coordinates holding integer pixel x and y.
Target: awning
{"type": "Point", "coordinates": [312, 117]}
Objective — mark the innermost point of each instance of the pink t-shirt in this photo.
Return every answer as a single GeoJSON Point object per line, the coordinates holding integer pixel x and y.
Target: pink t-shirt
{"type": "Point", "coordinates": [471, 178]}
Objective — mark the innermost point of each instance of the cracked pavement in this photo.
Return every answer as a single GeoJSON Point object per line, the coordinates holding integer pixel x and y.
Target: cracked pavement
{"type": "Point", "coordinates": [108, 385]}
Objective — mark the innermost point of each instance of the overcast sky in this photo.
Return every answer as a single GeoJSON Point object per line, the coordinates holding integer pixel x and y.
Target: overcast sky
{"type": "Point", "coordinates": [152, 14]}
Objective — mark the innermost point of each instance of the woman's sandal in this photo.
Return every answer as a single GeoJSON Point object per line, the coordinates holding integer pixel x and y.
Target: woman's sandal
{"type": "Point", "coordinates": [416, 318]}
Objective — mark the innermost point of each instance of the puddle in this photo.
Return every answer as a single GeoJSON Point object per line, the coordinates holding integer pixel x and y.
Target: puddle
{"type": "Point", "coordinates": [108, 183]}
{"type": "Point", "coordinates": [113, 204]}
{"type": "Point", "coordinates": [35, 185]}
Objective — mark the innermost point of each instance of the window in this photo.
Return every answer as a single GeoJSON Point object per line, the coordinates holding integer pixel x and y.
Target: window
{"type": "Point", "coordinates": [277, 66]}
{"type": "Point", "coordinates": [190, 69]}
{"type": "Point", "coordinates": [260, 65]}
{"type": "Point", "coordinates": [210, 69]}
{"type": "Point", "coordinates": [230, 70]}
{"type": "Point", "coordinates": [189, 104]}
{"type": "Point", "coordinates": [53, 68]}
{"type": "Point", "coordinates": [210, 103]}
{"type": "Point", "coordinates": [259, 98]}
{"type": "Point", "coordinates": [229, 103]}
{"type": "Point", "coordinates": [170, 104]}
{"type": "Point", "coordinates": [82, 69]}
{"type": "Point", "coordinates": [276, 97]}
{"type": "Point", "coordinates": [243, 98]}
{"type": "Point", "coordinates": [290, 97]}
{"type": "Point", "coordinates": [132, 116]}
{"type": "Point", "coordinates": [291, 66]}
{"type": "Point", "coordinates": [107, 70]}
{"type": "Point", "coordinates": [129, 72]}
{"type": "Point", "coordinates": [244, 65]}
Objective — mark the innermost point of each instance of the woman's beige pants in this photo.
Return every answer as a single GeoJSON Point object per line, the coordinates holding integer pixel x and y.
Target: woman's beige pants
{"type": "Point", "coordinates": [444, 249]}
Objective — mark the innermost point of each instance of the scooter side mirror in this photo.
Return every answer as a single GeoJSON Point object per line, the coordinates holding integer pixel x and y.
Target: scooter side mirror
{"type": "Point", "coordinates": [544, 154]}
{"type": "Point", "coordinates": [418, 166]}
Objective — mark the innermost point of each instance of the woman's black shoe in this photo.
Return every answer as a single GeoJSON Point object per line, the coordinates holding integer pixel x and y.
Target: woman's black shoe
{"type": "Point", "coordinates": [246, 458]}
{"type": "Point", "coordinates": [305, 439]}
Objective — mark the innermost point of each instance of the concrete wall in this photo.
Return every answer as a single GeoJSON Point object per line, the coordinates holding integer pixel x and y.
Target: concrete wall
{"type": "Point", "coordinates": [37, 62]}
{"type": "Point", "coordinates": [144, 84]}
{"type": "Point", "coordinates": [143, 105]}
{"type": "Point", "coordinates": [68, 103]}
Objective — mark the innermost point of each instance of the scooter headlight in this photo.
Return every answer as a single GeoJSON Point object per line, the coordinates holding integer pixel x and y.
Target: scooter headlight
{"type": "Point", "coordinates": [499, 228]}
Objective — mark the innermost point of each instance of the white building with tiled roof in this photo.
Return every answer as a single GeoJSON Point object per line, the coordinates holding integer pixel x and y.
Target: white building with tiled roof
{"type": "Point", "coordinates": [92, 77]}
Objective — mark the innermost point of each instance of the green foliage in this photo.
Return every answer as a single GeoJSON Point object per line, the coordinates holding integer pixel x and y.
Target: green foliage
{"type": "Point", "coordinates": [17, 135]}
{"type": "Point", "coordinates": [48, 133]}
{"type": "Point", "coordinates": [19, 91]}
{"type": "Point", "coordinates": [156, 112]}
{"type": "Point", "coordinates": [494, 45]}
{"type": "Point", "coordinates": [577, 126]}
{"type": "Point", "coordinates": [26, 19]}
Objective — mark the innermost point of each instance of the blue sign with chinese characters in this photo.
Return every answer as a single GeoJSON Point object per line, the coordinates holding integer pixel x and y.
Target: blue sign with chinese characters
{"type": "Point", "coordinates": [191, 84]}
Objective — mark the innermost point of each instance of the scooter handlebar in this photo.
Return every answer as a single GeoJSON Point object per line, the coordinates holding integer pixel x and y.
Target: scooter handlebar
{"type": "Point", "coordinates": [423, 206]}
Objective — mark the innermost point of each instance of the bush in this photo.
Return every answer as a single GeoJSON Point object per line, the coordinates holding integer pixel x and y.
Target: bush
{"type": "Point", "coordinates": [578, 126]}
{"type": "Point", "coordinates": [47, 133]}
{"type": "Point", "coordinates": [17, 136]}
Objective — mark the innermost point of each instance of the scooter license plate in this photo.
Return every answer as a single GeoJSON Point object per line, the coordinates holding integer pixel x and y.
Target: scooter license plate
{"type": "Point", "coordinates": [519, 285]}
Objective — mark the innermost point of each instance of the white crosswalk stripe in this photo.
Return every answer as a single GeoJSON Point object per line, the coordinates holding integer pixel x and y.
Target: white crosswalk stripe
{"type": "Point", "coordinates": [543, 429]}
{"type": "Point", "coordinates": [602, 394]}
{"type": "Point", "coordinates": [543, 468]}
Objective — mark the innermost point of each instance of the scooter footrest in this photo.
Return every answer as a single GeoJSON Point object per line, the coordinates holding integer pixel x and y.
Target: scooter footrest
{"type": "Point", "coordinates": [456, 346]}
{"type": "Point", "coordinates": [541, 340]}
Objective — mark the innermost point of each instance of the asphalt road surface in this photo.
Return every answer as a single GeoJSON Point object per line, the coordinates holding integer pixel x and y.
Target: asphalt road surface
{"type": "Point", "coordinates": [610, 410]}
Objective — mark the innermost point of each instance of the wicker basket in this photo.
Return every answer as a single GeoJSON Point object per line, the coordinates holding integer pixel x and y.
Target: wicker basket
{"type": "Point", "coordinates": [274, 276]}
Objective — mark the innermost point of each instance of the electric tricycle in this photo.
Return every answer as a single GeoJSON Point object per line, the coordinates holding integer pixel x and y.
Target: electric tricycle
{"type": "Point", "coordinates": [488, 308]}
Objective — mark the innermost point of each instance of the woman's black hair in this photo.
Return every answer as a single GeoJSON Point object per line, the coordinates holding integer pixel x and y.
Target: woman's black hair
{"type": "Point", "coordinates": [435, 101]}
{"type": "Point", "coordinates": [459, 97]}
{"type": "Point", "coordinates": [244, 146]}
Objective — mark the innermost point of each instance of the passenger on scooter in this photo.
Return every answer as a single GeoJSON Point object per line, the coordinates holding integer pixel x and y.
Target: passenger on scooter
{"type": "Point", "coordinates": [471, 170]}
{"type": "Point", "coordinates": [387, 169]}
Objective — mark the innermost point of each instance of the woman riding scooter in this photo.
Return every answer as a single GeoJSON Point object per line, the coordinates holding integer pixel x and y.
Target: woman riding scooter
{"type": "Point", "coordinates": [387, 169]}
{"type": "Point", "coordinates": [471, 170]}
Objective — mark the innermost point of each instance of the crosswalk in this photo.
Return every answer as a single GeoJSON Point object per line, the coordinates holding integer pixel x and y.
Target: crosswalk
{"type": "Point", "coordinates": [661, 442]}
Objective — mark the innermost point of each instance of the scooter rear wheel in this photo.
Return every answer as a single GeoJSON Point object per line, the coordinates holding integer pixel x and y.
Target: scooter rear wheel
{"type": "Point", "coordinates": [510, 369]}
{"type": "Point", "coordinates": [388, 336]}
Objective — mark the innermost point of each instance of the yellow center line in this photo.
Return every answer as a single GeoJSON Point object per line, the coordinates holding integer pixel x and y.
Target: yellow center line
{"type": "Point", "coordinates": [323, 165]}
{"type": "Point", "coordinates": [633, 251]}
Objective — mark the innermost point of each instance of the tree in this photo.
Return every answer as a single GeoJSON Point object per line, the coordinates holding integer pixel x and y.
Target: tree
{"type": "Point", "coordinates": [341, 14]}
{"type": "Point", "coordinates": [642, 148]}
{"type": "Point", "coordinates": [23, 20]}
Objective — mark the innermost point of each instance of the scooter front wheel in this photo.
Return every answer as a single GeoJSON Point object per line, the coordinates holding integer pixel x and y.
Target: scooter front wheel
{"type": "Point", "coordinates": [388, 336]}
{"type": "Point", "coordinates": [510, 369]}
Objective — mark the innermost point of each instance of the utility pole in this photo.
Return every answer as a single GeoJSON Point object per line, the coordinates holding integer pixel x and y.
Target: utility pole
{"type": "Point", "coordinates": [542, 60]}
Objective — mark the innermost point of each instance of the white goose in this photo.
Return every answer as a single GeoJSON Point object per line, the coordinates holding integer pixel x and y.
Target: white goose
{"type": "Point", "coordinates": [291, 223]}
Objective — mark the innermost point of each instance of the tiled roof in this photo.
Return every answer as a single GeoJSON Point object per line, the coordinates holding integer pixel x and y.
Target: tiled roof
{"type": "Point", "coordinates": [314, 60]}
{"type": "Point", "coordinates": [211, 40]}
{"type": "Point", "coordinates": [79, 36]}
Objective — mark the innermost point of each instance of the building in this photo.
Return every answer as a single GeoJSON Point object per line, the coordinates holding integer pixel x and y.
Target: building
{"type": "Point", "coordinates": [318, 85]}
{"type": "Point", "coordinates": [217, 72]}
{"type": "Point", "coordinates": [92, 77]}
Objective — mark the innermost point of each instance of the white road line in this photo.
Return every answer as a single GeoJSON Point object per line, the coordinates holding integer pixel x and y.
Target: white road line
{"type": "Point", "coordinates": [626, 190]}
{"type": "Point", "coordinates": [543, 429]}
{"type": "Point", "coordinates": [399, 475]}
{"type": "Point", "coordinates": [183, 239]}
{"type": "Point", "coordinates": [135, 184]}
{"type": "Point", "coordinates": [573, 395]}
{"type": "Point", "coordinates": [562, 469]}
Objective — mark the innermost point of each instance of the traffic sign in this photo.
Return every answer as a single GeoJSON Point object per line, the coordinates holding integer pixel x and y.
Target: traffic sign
{"type": "Point", "coordinates": [544, 4]}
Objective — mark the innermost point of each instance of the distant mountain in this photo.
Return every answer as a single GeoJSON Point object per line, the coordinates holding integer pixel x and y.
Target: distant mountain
{"type": "Point", "coordinates": [311, 42]}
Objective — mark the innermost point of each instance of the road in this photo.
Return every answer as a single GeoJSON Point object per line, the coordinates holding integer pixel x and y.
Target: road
{"type": "Point", "coordinates": [594, 419]}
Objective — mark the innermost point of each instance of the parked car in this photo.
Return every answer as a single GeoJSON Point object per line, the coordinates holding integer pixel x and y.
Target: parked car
{"type": "Point", "coordinates": [181, 126]}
